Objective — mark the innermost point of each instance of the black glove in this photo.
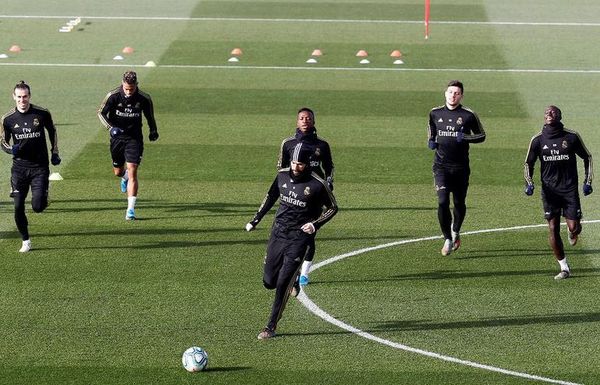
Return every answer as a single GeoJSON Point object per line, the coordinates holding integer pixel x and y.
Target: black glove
{"type": "Point", "coordinates": [529, 189]}
{"type": "Point", "coordinates": [55, 159]}
{"type": "Point", "coordinates": [329, 181]}
{"type": "Point", "coordinates": [116, 132]}
{"type": "Point", "coordinates": [153, 135]}
{"type": "Point", "coordinates": [15, 148]}
{"type": "Point", "coordinates": [587, 189]}
{"type": "Point", "coordinates": [432, 144]}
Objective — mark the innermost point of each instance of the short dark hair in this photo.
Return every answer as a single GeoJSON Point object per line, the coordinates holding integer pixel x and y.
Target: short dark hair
{"type": "Point", "coordinates": [130, 77]}
{"type": "Point", "coordinates": [456, 83]}
{"type": "Point", "coordinates": [306, 109]}
{"type": "Point", "coordinates": [22, 86]}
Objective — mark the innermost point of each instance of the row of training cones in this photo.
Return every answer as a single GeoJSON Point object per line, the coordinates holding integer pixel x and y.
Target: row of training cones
{"type": "Point", "coordinates": [362, 54]}
{"type": "Point", "coordinates": [237, 52]}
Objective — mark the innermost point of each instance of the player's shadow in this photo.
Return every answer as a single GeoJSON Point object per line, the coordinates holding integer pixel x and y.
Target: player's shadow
{"type": "Point", "coordinates": [461, 274]}
{"type": "Point", "coordinates": [429, 325]}
{"type": "Point", "coordinates": [525, 253]}
{"type": "Point", "coordinates": [423, 325]}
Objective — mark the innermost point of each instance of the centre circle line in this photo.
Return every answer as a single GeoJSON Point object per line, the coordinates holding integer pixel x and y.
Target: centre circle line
{"type": "Point", "coordinates": [315, 309]}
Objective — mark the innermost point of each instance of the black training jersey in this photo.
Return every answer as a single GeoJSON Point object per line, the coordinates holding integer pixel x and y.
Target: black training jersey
{"type": "Point", "coordinates": [26, 129]}
{"type": "Point", "coordinates": [301, 200]}
{"type": "Point", "coordinates": [126, 113]}
{"type": "Point", "coordinates": [444, 125]}
{"type": "Point", "coordinates": [556, 148]}
{"type": "Point", "coordinates": [321, 160]}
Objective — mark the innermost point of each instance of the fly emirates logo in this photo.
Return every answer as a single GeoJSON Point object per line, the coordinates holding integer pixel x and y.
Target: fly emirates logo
{"type": "Point", "coordinates": [292, 198]}
{"type": "Point", "coordinates": [28, 134]}
{"type": "Point", "coordinates": [555, 156]}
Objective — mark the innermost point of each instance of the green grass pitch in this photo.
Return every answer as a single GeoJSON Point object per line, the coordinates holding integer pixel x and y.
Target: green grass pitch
{"type": "Point", "coordinates": [103, 301]}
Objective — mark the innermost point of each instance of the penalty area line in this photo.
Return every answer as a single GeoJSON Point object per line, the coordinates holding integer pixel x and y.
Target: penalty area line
{"type": "Point", "coordinates": [316, 310]}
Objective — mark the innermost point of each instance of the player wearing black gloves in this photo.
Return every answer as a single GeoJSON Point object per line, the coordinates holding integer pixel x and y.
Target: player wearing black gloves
{"type": "Point", "coordinates": [121, 113]}
{"type": "Point", "coordinates": [321, 163]}
{"type": "Point", "coordinates": [452, 127]}
{"type": "Point", "coordinates": [556, 147]}
{"type": "Point", "coordinates": [24, 127]}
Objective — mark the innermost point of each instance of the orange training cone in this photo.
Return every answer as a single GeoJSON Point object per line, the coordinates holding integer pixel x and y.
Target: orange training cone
{"type": "Point", "coordinates": [396, 53]}
{"type": "Point", "coordinates": [317, 52]}
{"type": "Point", "coordinates": [15, 48]}
{"type": "Point", "coordinates": [362, 53]}
{"type": "Point", "coordinates": [236, 52]}
{"type": "Point", "coordinates": [127, 50]}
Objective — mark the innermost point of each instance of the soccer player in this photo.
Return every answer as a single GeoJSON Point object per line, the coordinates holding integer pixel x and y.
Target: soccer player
{"type": "Point", "coordinates": [321, 163]}
{"type": "Point", "coordinates": [452, 127]}
{"type": "Point", "coordinates": [305, 204]}
{"type": "Point", "coordinates": [121, 113]}
{"type": "Point", "coordinates": [556, 147]}
{"type": "Point", "coordinates": [25, 125]}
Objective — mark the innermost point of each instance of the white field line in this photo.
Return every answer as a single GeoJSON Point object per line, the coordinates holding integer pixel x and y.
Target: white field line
{"type": "Point", "coordinates": [306, 68]}
{"type": "Point", "coordinates": [282, 20]}
{"type": "Point", "coordinates": [313, 308]}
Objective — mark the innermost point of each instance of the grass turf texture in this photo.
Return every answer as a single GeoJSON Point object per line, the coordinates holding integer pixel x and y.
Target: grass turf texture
{"type": "Point", "coordinates": [104, 301]}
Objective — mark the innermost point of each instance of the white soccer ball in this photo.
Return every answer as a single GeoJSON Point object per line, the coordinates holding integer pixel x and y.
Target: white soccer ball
{"type": "Point", "coordinates": [194, 359]}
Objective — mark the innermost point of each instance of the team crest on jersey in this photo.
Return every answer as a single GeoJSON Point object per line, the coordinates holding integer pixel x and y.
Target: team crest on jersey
{"type": "Point", "coordinates": [137, 105]}
{"type": "Point", "coordinates": [307, 191]}
{"type": "Point", "coordinates": [459, 121]}
{"type": "Point", "coordinates": [564, 144]}
{"type": "Point", "coordinates": [36, 122]}
{"type": "Point", "coordinates": [318, 152]}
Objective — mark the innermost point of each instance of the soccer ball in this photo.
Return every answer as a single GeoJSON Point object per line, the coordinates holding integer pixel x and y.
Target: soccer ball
{"type": "Point", "coordinates": [194, 359]}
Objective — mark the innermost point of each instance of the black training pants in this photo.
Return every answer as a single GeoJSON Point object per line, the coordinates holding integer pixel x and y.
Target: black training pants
{"type": "Point", "coordinates": [285, 253]}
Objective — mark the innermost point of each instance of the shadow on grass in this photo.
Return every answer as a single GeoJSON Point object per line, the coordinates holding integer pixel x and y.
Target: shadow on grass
{"type": "Point", "coordinates": [459, 274]}
{"type": "Point", "coordinates": [551, 319]}
{"type": "Point", "coordinates": [428, 325]}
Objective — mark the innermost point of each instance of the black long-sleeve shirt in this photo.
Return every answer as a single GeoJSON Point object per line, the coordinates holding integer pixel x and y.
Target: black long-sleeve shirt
{"type": "Point", "coordinates": [444, 125]}
{"type": "Point", "coordinates": [321, 163]}
{"type": "Point", "coordinates": [117, 110]}
{"type": "Point", "coordinates": [556, 147]}
{"type": "Point", "coordinates": [301, 200]}
{"type": "Point", "coordinates": [26, 129]}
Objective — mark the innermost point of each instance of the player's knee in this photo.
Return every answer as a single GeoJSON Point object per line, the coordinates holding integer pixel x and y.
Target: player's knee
{"type": "Point", "coordinates": [39, 206]}
{"type": "Point", "coordinates": [269, 285]}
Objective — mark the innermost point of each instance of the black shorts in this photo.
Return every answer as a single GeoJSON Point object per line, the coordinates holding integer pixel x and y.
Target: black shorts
{"type": "Point", "coordinates": [455, 180]}
{"type": "Point", "coordinates": [126, 150]}
{"type": "Point", "coordinates": [22, 178]}
{"type": "Point", "coordinates": [566, 204]}
{"type": "Point", "coordinates": [285, 252]}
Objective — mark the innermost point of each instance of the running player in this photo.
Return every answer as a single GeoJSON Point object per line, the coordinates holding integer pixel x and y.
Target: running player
{"type": "Point", "coordinates": [24, 125]}
{"type": "Point", "coordinates": [305, 204]}
{"type": "Point", "coordinates": [121, 113]}
{"type": "Point", "coordinates": [452, 127]}
{"type": "Point", "coordinates": [556, 147]}
{"type": "Point", "coordinates": [321, 163]}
